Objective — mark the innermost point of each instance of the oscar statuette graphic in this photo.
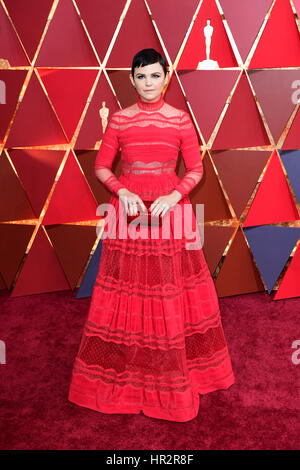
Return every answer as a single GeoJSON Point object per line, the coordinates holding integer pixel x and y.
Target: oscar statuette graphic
{"type": "Point", "coordinates": [103, 112]}
{"type": "Point", "coordinates": [208, 64]}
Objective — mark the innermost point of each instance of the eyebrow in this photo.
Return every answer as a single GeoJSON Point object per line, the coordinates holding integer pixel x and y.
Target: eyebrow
{"type": "Point", "coordinates": [141, 73]}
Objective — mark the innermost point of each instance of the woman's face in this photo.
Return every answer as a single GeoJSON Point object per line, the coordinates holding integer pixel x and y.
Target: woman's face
{"type": "Point", "coordinates": [149, 81]}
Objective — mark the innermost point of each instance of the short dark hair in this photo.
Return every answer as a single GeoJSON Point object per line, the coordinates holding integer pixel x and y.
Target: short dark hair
{"type": "Point", "coordinates": [147, 57]}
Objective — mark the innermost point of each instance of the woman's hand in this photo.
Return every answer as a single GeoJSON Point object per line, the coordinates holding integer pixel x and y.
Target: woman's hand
{"type": "Point", "coordinates": [163, 203]}
{"type": "Point", "coordinates": [132, 202]}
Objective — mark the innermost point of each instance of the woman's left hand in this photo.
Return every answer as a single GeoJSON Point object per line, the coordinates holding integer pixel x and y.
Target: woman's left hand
{"type": "Point", "coordinates": [163, 203]}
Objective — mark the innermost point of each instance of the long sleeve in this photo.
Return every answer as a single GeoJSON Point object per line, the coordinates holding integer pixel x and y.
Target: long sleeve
{"type": "Point", "coordinates": [106, 155]}
{"type": "Point", "coordinates": [191, 154]}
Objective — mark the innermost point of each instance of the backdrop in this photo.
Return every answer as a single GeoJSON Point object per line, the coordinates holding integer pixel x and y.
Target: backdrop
{"type": "Point", "coordinates": [234, 66]}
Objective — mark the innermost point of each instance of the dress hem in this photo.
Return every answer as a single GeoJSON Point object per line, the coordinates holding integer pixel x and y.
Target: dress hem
{"type": "Point", "coordinates": [92, 402]}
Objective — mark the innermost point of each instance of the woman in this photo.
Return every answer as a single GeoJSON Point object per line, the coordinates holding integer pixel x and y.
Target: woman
{"type": "Point", "coordinates": [153, 340]}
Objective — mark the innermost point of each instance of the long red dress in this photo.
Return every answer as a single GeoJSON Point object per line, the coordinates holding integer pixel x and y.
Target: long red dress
{"type": "Point", "coordinates": [153, 339]}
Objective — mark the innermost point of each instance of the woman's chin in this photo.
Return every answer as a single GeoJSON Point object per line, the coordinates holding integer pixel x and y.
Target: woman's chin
{"type": "Point", "coordinates": [151, 96]}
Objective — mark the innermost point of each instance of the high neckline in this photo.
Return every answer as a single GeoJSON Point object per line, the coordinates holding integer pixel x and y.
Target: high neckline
{"type": "Point", "coordinates": [154, 106]}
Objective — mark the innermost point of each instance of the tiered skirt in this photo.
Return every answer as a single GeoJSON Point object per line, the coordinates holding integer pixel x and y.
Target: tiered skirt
{"type": "Point", "coordinates": [153, 339]}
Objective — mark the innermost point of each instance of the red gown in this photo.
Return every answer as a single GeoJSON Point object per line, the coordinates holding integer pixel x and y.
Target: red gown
{"type": "Point", "coordinates": [153, 339]}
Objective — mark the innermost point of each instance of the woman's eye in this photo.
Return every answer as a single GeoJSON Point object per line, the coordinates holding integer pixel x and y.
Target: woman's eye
{"type": "Point", "coordinates": [142, 76]}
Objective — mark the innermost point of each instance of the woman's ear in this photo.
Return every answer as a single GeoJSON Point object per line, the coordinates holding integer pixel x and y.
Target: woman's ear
{"type": "Point", "coordinates": [131, 79]}
{"type": "Point", "coordinates": [167, 78]}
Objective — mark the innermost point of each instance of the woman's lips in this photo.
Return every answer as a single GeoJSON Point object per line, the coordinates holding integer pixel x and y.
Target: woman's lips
{"type": "Point", "coordinates": [148, 90]}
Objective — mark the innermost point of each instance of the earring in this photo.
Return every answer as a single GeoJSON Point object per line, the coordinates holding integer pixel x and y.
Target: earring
{"type": "Point", "coordinates": [134, 86]}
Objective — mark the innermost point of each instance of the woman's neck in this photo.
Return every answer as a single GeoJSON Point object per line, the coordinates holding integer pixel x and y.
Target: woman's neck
{"type": "Point", "coordinates": [150, 106]}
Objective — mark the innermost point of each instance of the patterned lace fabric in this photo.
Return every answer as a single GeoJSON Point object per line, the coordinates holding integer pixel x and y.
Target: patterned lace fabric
{"type": "Point", "coordinates": [151, 168]}
{"type": "Point", "coordinates": [150, 136]}
{"type": "Point", "coordinates": [153, 340]}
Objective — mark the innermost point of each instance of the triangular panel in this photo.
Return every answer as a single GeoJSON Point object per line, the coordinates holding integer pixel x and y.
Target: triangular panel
{"type": "Point", "coordinates": [66, 43]}
{"type": "Point", "coordinates": [170, 16]}
{"type": "Point", "coordinates": [41, 271]}
{"type": "Point", "coordinates": [29, 18]}
{"type": "Point", "coordinates": [37, 170]}
{"type": "Point", "coordinates": [207, 92]}
{"type": "Point", "coordinates": [271, 247]}
{"type": "Point", "coordinates": [290, 285]}
{"type": "Point", "coordinates": [209, 193]}
{"type": "Point", "coordinates": [195, 48]}
{"type": "Point", "coordinates": [291, 161]}
{"type": "Point", "coordinates": [72, 245]}
{"type": "Point", "coordinates": [14, 239]}
{"type": "Point", "coordinates": [239, 171]}
{"type": "Point", "coordinates": [244, 20]}
{"type": "Point", "coordinates": [9, 98]}
{"type": "Point", "coordinates": [292, 140]}
{"type": "Point", "coordinates": [14, 202]}
{"type": "Point", "coordinates": [215, 241]}
{"type": "Point", "coordinates": [242, 125]}
{"type": "Point", "coordinates": [35, 122]}
{"type": "Point", "coordinates": [273, 202]}
{"type": "Point", "coordinates": [238, 273]}
{"type": "Point", "coordinates": [68, 91]}
{"type": "Point", "coordinates": [103, 104]}
{"type": "Point", "coordinates": [279, 45]}
{"type": "Point", "coordinates": [137, 32]}
{"type": "Point", "coordinates": [11, 52]}
{"type": "Point", "coordinates": [72, 199]}
{"type": "Point", "coordinates": [273, 91]}
{"type": "Point", "coordinates": [101, 19]}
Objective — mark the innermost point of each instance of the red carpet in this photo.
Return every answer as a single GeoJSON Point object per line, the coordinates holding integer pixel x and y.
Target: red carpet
{"type": "Point", "coordinates": [260, 411]}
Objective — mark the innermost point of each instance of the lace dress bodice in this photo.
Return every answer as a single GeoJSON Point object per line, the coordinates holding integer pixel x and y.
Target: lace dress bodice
{"type": "Point", "coordinates": [150, 136]}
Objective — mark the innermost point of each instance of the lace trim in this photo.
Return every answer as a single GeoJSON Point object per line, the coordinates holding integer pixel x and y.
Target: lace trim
{"type": "Point", "coordinates": [78, 370]}
{"type": "Point", "coordinates": [130, 117]}
{"type": "Point", "coordinates": [128, 338]}
{"type": "Point", "coordinates": [145, 247]}
{"type": "Point", "coordinates": [145, 252]}
{"type": "Point", "coordinates": [161, 167]}
{"type": "Point", "coordinates": [151, 316]}
{"type": "Point", "coordinates": [167, 113]}
{"type": "Point", "coordinates": [120, 357]}
{"type": "Point", "coordinates": [138, 172]}
{"type": "Point", "coordinates": [147, 243]}
{"type": "Point", "coordinates": [177, 385]}
{"type": "Point", "coordinates": [166, 291]}
{"type": "Point", "coordinates": [127, 377]}
{"type": "Point", "coordinates": [143, 121]}
{"type": "Point", "coordinates": [143, 367]}
{"type": "Point", "coordinates": [142, 144]}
